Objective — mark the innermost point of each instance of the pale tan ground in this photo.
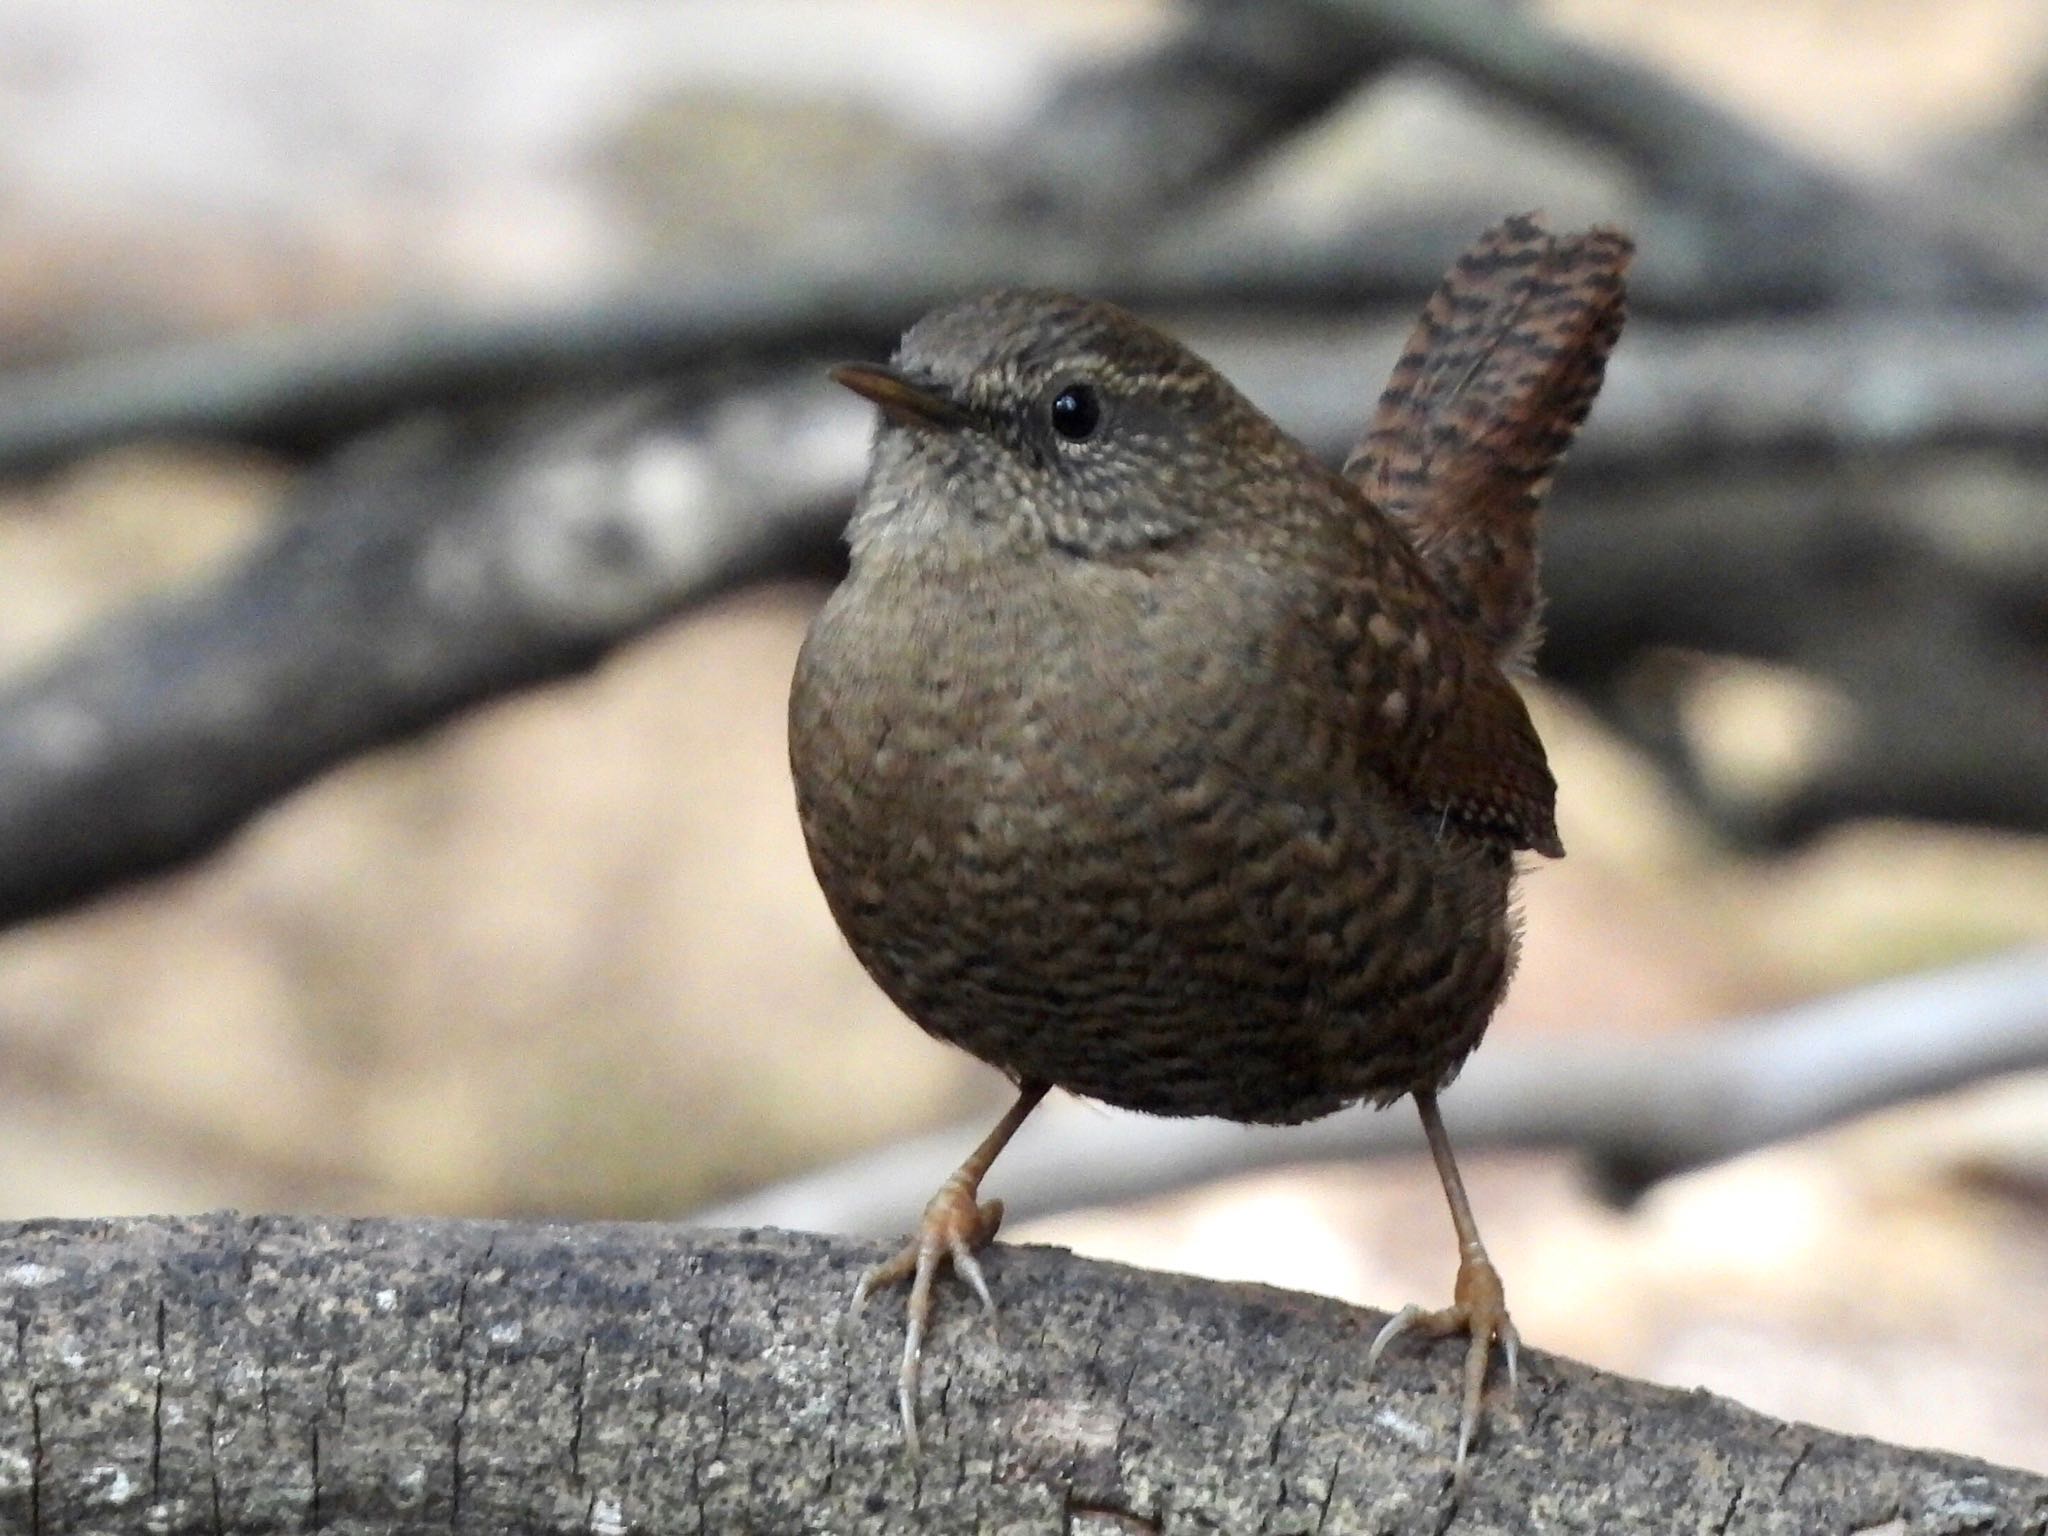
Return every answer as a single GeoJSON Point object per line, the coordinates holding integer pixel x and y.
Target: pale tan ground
{"type": "Point", "coordinates": [565, 955]}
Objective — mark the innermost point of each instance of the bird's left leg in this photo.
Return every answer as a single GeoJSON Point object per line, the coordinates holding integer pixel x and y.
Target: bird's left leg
{"type": "Point", "coordinates": [1478, 1307]}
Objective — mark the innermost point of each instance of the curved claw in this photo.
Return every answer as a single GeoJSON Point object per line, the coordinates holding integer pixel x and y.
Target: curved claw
{"type": "Point", "coordinates": [919, 1309]}
{"type": "Point", "coordinates": [1403, 1320]}
{"type": "Point", "coordinates": [988, 1221]}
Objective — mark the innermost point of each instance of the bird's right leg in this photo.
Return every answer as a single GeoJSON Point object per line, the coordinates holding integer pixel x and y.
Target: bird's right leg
{"type": "Point", "coordinates": [954, 1225]}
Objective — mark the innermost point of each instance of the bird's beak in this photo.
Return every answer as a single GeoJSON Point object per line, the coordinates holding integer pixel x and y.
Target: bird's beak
{"type": "Point", "coordinates": [904, 402]}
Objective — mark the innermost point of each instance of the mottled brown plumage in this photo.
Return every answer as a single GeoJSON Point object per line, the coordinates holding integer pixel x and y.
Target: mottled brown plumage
{"type": "Point", "coordinates": [1143, 755]}
{"type": "Point", "coordinates": [1489, 393]}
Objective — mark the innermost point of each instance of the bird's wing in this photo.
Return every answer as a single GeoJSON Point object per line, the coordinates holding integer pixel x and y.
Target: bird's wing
{"type": "Point", "coordinates": [1426, 707]}
{"type": "Point", "coordinates": [1484, 765]}
{"type": "Point", "coordinates": [1493, 386]}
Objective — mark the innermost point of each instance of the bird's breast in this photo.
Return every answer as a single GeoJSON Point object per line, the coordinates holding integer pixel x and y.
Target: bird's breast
{"type": "Point", "coordinates": [969, 718]}
{"type": "Point", "coordinates": [1094, 843]}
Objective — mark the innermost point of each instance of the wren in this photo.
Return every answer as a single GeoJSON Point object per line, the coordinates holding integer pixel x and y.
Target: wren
{"type": "Point", "coordinates": [1144, 755]}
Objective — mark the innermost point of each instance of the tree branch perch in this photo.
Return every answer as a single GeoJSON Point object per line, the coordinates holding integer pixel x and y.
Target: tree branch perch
{"type": "Point", "coordinates": [219, 1374]}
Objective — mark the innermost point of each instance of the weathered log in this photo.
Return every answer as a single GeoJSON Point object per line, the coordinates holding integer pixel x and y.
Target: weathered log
{"type": "Point", "coordinates": [218, 1374]}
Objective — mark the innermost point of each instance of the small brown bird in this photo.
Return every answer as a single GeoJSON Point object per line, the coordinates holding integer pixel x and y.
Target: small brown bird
{"type": "Point", "coordinates": [1143, 755]}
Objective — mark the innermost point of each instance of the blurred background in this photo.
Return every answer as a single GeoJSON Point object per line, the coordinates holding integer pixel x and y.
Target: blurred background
{"type": "Point", "coordinates": [416, 475]}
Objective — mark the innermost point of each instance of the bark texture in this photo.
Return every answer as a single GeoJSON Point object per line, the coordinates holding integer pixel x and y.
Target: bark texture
{"type": "Point", "coordinates": [219, 1374]}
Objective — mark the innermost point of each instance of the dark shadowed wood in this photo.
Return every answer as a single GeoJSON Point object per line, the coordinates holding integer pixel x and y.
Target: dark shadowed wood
{"type": "Point", "coordinates": [222, 1374]}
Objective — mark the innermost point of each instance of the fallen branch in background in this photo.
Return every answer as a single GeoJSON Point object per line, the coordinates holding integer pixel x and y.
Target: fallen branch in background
{"type": "Point", "coordinates": [1638, 1111]}
{"type": "Point", "coordinates": [1679, 397]}
{"type": "Point", "coordinates": [1680, 393]}
{"type": "Point", "coordinates": [457, 559]}
{"type": "Point", "coordinates": [309, 389]}
{"type": "Point", "coordinates": [432, 567]}
{"type": "Point", "coordinates": [278, 1375]}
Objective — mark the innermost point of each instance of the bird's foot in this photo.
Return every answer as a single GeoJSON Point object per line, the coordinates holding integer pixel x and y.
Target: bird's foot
{"type": "Point", "coordinates": [1478, 1309]}
{"type": "Point", "coordinates": [952, 1228]}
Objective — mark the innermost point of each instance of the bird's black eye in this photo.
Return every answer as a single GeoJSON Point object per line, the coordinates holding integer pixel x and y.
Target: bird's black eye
{"type": "Point", "coordinates": [1076, 413]}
